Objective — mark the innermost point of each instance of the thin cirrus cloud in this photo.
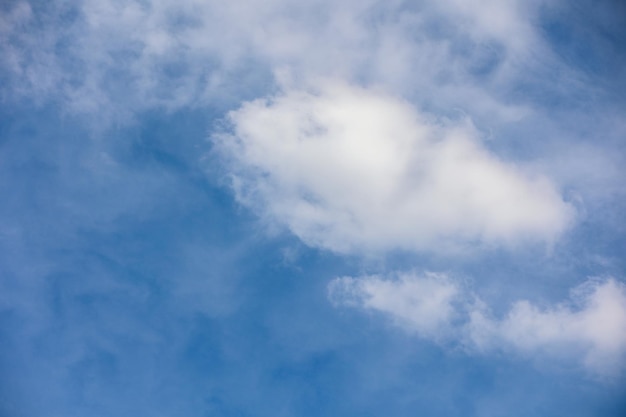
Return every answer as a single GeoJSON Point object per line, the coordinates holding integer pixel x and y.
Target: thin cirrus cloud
{"type": "Point", "coordinates": [589, 328]}
{"type": "Point", "coordinates": [122, 57]}
{"type": "Point", "coordinates": [355, 170]}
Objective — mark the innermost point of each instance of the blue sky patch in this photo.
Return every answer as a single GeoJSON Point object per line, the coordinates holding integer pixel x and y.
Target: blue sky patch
{"type": "Point", "coordinates": [274, 208]}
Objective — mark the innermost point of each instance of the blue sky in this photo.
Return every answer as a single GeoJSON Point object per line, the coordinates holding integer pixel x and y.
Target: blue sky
{"type": "Point", "coordinates": [321, 208]}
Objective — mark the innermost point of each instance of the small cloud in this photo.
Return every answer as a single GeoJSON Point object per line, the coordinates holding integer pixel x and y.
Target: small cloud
{"type": "Point", "coordinates": [590, 328]}
{"type": "Point", "coordinates": [591, 325]}
{"type": "Point", "coordinates": [421, 304]}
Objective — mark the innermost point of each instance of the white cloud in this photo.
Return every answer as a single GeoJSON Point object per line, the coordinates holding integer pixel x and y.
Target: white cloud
{"type": "Point", "coordinates": [507, 21]}
{"type": "Point", "coordinates": [351, 170]}
{"type": "Point", "coordinates": [113, 59]}
{"type": "Point", "coordinates": [592, 325]}
{"type": "Point", "coordinates": [423, 305]}
{"type": "Point", "coordinates": [589, 328]}
{"type": "Point", "coordinates": [127, 56]}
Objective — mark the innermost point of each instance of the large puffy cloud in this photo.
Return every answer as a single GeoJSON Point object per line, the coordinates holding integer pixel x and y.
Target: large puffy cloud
{"type": "Point", "coordinates": [351, 169]}
{"type": "Point", "coordinates": [589, 328]}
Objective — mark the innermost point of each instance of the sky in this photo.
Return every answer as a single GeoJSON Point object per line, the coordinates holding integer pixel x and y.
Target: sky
{"type": "Point", "coordinates": [312, 208]}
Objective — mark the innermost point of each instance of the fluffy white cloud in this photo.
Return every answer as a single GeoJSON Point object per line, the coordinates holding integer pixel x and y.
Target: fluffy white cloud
{"type": "Point", "coordinates": [589, 328]}
{"type": "Point", "coordinates": [424, 305]}
{"type": "Point", "coordinates": [351, 169]}
{"type": "Point", "coordinates": [591, 325]}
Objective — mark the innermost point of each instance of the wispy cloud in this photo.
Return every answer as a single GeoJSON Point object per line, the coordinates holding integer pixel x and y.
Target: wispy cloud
{"type": "Point", "coordinates": [589, 328]}
{"type": "Point", "coordinates": [424, 304]}
{"type": "Point", "coordinates": [123, 57]}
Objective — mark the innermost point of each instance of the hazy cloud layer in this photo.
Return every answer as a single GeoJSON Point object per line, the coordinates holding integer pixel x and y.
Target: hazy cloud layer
{"type": "Point", "coordinates": [118, 57]}
{"type": "Point", "coordinates": [361, 127]}
{"type": "Point", "coordinates": [352, 170]}
{"type": "Point", "coordinates": [590, 327]}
